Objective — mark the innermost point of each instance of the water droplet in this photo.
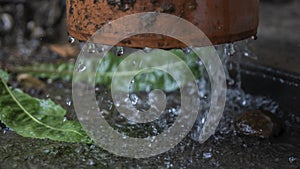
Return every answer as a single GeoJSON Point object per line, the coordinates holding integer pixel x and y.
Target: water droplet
{"type": "Point", "coordinates": [246, 54]}
{"type": "Point", "coordinates": [134, 99]}
{"type": "Point", "coordinates": [71, 39]}
{"type": "Point", "coordinates": [46, 151]}
{"type": "Point", "coordinates": [131, 82]}
{"type": "Point", "coordinates": [174, 111]}
{"type": "Point", "coordinates": [147, 50]}
{"type": "Point", "coordinates": [100, 49]}
{"type": "Point", "coordinates": [68, 102]}
{"type": "Point", "coordinates": [207, 155]}
{"type": "Point", "coordinates": [134, 63]}
{"type": "Point", "coordinates": [244, 102]}
{"type": "Point", "coordinates": [91, 162]}
{"type": "Point", "coordinates": [151, 138]}
{"type": "Point", "coordinates": [155, 131]}
{"type": "Point", "coordinates": [232, 49]}
{"type": "Point", "coordinates": [203, 120]}
{"type": "Point", "coordinates": [254, 37]}
{"type": "Point", "coordinates": [281, 80]}
{"type": "Point", "coordinates": [120, 51]}
{"type": "Point", "coordinates": [200, 63]}
{"type": "Point", "coordinates": [91, 48]}
{"type": "Point", "coordinates": [123, 135]}
{"type": "Point", "coordinates": [292, 159]}
{"type": "Point", "coordinates": [229, 49]}
{"type": "Point", "coordinates": [81, 67]}
{"type": "Point", "coordinates": [131, 85]}
{"type": "Point", "coordinates": [168, 164]}
{"type": "Point", "coordinates": [187, 50]}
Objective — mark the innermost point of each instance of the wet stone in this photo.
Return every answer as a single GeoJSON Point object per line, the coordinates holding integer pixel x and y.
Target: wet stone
{"type": "Point", "coordinates": [259, 123]}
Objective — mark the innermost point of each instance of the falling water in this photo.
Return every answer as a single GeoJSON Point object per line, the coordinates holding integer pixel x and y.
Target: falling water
{"type": "Point", "coordinates": [237, 99]}
{"type": "Point", "coordinates": [237, 102]}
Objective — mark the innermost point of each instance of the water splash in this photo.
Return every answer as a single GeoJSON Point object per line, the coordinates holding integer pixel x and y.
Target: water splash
{"type": "Point", "coordinates": [230, 56]}
{"type": "Point", "coordinates": [237, 102]}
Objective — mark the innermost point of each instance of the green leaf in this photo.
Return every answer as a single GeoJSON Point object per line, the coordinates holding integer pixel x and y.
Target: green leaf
{"type": "Point", "coordinates": [31, 117]}
{"type": "Point", "coordinates": [4, 75]}
{"type": "Point", "coordinates": [62, 71]}
{"type": "Point", "coordinates": [156, 79]}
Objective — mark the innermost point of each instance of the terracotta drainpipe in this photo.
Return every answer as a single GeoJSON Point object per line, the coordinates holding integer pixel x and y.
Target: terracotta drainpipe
{"type": "Point", "coordinates": [223, 21]}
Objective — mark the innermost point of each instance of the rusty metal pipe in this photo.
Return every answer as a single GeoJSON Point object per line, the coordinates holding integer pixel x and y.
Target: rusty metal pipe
{"type": "Point", "coordinates": [223, 21]}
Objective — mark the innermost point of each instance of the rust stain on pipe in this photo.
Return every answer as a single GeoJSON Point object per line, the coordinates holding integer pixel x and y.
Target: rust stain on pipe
{"type": "Point", "coordinates": [222, 21]}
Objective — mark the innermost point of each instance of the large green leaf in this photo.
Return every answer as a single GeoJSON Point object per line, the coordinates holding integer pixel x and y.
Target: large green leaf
{"type": "Point", "coordinates": [31, 117]}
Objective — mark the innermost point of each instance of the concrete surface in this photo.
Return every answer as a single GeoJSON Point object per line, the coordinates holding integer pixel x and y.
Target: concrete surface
{"type": "Point", "coordinates": [278, 43]}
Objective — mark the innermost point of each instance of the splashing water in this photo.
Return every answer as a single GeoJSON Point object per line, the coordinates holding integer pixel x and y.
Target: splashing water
{"type": "Point", "coordinates": [237, 102]}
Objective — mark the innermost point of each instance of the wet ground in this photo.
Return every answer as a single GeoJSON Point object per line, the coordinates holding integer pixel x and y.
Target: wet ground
{"type": "Point", "coordinates": [275, 90]}
{"type": "Point", "coordinates": [225, 149]}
